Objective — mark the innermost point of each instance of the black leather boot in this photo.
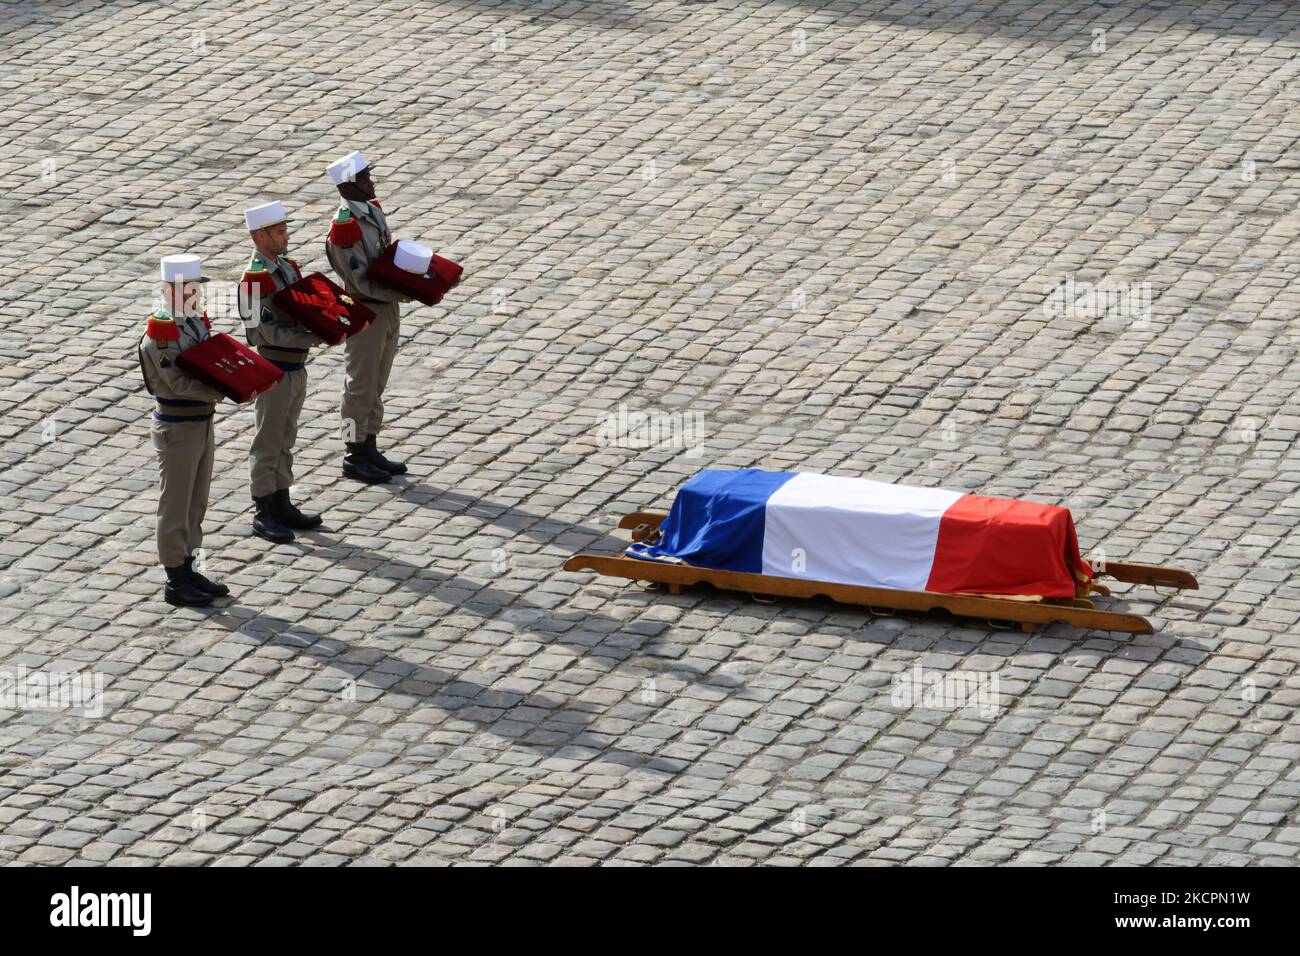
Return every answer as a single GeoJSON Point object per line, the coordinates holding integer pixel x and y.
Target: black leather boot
{"type": "Point", "coordinates": [265, 524]}
{"type": "Point", "coordinates": [290, 516]}
{"type": "Point", "coordinates": [202, 583]}
{"type": "Point", "coordinates": [181, 590]}
{"type": "Point", "coordinates": [357, 464]}
{"type": "Point", "coordinates": [379, 461]}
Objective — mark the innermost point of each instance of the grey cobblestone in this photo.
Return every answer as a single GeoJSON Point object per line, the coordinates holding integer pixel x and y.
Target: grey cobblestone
{"type": "Point", "coordinates": [827, 229]}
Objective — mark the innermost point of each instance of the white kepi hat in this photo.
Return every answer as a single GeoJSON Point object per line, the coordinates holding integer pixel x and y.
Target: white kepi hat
{"type": "Point", "coordinates": [345, 170]}
{"type": "Point", "coordinates": [182, 268]}
{"type": "Point", "coordinates": [259, 217]}
{"type": "Point", "coordinates": [412, 257]}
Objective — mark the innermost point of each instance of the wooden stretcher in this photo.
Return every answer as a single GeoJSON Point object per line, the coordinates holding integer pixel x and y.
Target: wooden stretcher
{"type": "Point", "coordinates": [999, 612]}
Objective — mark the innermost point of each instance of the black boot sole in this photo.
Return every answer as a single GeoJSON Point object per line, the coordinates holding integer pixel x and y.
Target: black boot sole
{"type": "Point", "coordinates": [273, 538]}
{"type": "Point", "coordinates": [350, 472]}
{"type": "Point", "coordinates": [177, 602]}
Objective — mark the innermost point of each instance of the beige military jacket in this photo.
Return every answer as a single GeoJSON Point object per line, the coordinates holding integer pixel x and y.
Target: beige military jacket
{"type": "Point", "coordinates": [273, 328]}
{"type": "Point", "coordinates": [358, 236]}
{"type": "Point", "coordinates": [164, 339]}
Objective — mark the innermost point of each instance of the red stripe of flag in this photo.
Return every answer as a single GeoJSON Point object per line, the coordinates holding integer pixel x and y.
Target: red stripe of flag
{"type": "Point", "coordinates": [1006, 546]}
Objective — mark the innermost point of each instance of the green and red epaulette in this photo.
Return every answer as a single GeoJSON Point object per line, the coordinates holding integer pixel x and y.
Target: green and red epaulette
{"type": "Point", "coordinates": [257, 277]}
{"type": "Point", "coordinates": [344, 230]}
{"type": "Point", "coordinates": [161, 328]}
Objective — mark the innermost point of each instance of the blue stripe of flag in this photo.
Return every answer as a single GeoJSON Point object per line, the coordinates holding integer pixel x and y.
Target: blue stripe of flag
{"type": "Point", "coordinates": [717, 520]}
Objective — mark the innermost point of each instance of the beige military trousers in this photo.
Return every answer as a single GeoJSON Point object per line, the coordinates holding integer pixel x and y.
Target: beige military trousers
{"type": "Point", "coordinates": [368, 364]}
{"type": "Point", "coordinates": [276, 417]}
{"type": "Point", "coordinates": [185, 454]}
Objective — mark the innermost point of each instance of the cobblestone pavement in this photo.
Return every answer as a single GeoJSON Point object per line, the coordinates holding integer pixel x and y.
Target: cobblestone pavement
{"type": "Point", "coordinates": [827, 236]}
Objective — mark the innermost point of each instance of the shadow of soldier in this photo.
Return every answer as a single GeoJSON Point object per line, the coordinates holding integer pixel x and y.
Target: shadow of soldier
{"type": "Point", "coordinates": [546, 529]}
{"type": "Point", "coordinates": [549, 724]}
{"type": "Point", "coordinates": [546, 723]}
{"type": "Point", "coordinates": [596, 635]}
{"type": "Point", "coordinates": [589, 630]}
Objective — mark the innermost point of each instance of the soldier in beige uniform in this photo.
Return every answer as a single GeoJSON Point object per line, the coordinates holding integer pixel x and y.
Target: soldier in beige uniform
{"type": "Point", "coordinates": [357, 236]}
{"type": "Point", "coordinates": [182, 430]}
{"type": "Point", "coordinates": [283, 341]}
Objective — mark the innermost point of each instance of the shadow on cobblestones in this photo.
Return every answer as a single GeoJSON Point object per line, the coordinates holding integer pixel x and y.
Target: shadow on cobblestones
{"type": "Point", "coordinates": [1035, 19]}
{"type": "Point", "coordinates": [542, 528]}
{"type": "Point", "coordinates": [581, 629]}
{"type": "Point", "coordinates": [514, 716]}
{"type": "Point", "coordinates": [382, 672]}
{"type": "Point", "coordinates": [1062, 19]}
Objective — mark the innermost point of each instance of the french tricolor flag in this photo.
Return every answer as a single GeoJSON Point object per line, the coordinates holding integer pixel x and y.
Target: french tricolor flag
{"type": "Point", "coordinates": [869, 533]}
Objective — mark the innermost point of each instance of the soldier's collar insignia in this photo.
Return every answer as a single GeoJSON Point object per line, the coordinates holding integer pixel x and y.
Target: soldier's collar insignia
{"type": "Point", "coordinates": [364, 209]}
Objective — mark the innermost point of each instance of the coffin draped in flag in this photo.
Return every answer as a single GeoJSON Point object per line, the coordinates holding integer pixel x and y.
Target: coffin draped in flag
{"type": "Point", "coordinates": [871, 534]}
